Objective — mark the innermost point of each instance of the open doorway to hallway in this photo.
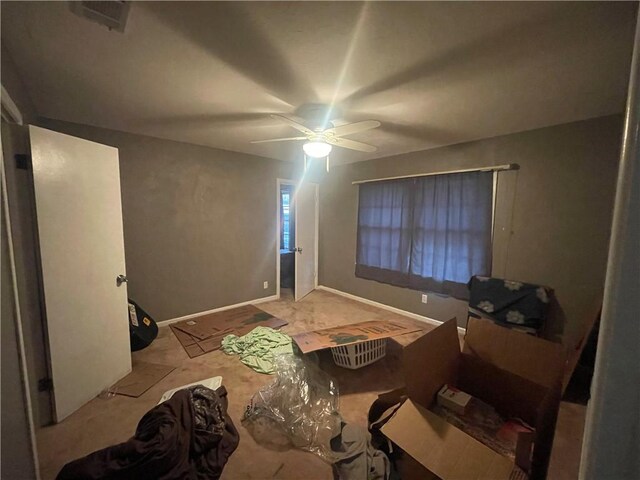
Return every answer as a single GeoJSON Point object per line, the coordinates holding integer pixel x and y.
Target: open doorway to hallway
{"type": "Point", "coordinates": [297, 216]}
{"type": "Point", "coordinates": [286, 234]}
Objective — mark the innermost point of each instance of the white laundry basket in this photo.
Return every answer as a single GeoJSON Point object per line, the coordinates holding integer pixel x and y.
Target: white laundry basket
{"type": "Point", "coordinates": [359, 354]}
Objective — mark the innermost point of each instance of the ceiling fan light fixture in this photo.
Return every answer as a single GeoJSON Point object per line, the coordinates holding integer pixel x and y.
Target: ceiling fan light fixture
{"type": "Point", "coordinates": [316, 149]}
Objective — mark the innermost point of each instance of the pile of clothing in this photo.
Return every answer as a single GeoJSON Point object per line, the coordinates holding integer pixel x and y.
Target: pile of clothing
{"type": "Point", "coordinates": [190, 436]}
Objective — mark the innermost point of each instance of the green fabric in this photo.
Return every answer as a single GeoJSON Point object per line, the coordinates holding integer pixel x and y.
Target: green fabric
{"type": "Point", "coordinates": [258, 347]}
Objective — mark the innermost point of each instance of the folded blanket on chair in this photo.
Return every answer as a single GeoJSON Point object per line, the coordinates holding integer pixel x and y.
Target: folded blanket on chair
{"type": "Point", "coordinates": [519, 304]}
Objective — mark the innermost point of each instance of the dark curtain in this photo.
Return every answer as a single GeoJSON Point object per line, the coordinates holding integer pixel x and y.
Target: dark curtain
{"type": "Point", "coordinates": [427, 233]}
{"type": "Point", "coordinates": [452, 231]}
{"type": "Point", "coordinates": [384, 231]}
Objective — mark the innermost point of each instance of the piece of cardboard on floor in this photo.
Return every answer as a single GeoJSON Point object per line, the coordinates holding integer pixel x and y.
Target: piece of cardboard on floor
{"type": "Point", "coordinates": [143, 376]}
{"type": "Point", "coordinates": [204, 334]}
{"type": "Point", "coordinates": [222, 323]}
{"type": "Point", "coordinates": [196, 347]}
{"type": "Point", "coordinates": [205, 326]}
{"type": "Point", "coordinates": [351, 334]}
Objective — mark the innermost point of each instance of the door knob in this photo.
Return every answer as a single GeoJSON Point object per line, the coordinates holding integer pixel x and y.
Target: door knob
{"type": "Point", "coordinates": [298, 249]}
{"type": "Point", "coordinates": [120, 279]}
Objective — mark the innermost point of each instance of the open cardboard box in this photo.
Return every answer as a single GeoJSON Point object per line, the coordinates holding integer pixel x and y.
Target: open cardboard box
{"type": "Point", "coordinates": [519, 375]}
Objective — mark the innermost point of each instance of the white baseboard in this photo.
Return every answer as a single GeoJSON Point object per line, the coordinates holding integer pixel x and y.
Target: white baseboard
{"type": "Point", "coordinates": [383, 306]}
{"type": "Point", "coordinates": [271, 298]}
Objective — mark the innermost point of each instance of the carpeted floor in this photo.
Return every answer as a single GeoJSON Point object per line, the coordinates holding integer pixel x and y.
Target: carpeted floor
{"type": "Point", "coordinates": [103, 422]}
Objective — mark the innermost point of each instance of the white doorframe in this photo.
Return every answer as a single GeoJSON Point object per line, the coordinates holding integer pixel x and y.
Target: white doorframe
{"type": "Point", "coordinates": [20, 344]}
{"type": "Point", "coordinates": [279, 183]}
{"type": "Point", "coordinates": [11, 112]}
{"type": "Point", "coordinates": [317, 223]}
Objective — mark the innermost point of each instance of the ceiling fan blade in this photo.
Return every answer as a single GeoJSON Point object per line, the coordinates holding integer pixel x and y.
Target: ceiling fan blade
{"type": "Point", "coordinates": [352, 144]}
{"type": "Point", "coordinates": [279, 139]}
{"type": "Point", "coordinates": [350, 128]}
{"type": "Point", "coordinates": [294, 124]}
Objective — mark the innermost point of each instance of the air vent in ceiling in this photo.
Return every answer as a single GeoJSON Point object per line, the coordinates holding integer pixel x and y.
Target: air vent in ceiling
{"type": "Point", "coordinates": [112, 14]}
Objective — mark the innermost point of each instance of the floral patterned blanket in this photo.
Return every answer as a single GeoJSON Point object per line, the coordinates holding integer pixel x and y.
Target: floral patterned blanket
{"type": "Point", "coordinates": [513, 303]}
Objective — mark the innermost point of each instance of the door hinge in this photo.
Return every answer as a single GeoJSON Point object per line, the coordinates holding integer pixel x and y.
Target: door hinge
{"type": "Point", "coordinates": [22, 161]}
{"type": "Point", "coordinates": [45, 385]}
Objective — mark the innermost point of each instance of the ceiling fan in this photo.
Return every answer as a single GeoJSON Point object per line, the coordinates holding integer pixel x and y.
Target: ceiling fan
{"type": "Point", "coordinates": [319, 141]}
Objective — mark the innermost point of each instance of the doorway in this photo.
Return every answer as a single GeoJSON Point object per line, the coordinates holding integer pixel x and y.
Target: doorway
{"type": "Point", "coordinates": [286, 237]}
{"type": "Point", "coordinates": [296, 239]}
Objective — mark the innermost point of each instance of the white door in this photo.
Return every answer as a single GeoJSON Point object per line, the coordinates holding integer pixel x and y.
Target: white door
{"type": "Point", "coordinates": [79, 219]}
{"type": "Point", "coordinates": [306, 208]}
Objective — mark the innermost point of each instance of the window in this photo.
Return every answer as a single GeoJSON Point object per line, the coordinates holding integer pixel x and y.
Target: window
{"type": "Point", "coordinates": [286, 218]}
{"type": "Point", "coordinates": [427, 233]}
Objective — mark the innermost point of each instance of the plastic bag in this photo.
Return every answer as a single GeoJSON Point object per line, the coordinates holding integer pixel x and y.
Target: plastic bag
{"type": "Point", "coordinates": [299, 409]}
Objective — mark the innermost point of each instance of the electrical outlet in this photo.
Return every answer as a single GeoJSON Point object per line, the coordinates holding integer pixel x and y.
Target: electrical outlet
{"type": "Point", "coordinates": [265, 285]}
{"type": "Point", "coordinates": [424, 298]}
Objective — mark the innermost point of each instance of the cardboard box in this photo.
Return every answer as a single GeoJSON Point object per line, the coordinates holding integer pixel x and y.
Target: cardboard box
{"type": "Point", "coordinates": [519, 375]}
{"type": "Point", "coordinates": [350, 334]}
{"type": "Point", "coordinates": [575, 351]}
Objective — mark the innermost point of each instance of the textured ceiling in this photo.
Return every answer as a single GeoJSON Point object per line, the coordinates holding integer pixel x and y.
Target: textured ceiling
{"type": "Point", "coordinates": [434, 73]}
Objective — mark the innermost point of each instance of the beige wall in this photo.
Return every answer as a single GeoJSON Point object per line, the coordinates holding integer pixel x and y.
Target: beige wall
{"type": "Point", "coordinates": [561, 214]}
{"type": "Point", "coordinates": [14, 86]}
{"type": "Point", "coordinates": [199, 223]}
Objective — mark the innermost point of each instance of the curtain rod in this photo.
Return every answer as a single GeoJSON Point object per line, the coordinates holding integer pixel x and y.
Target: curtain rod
{"type": "Point", "coordinates": [508, 166]}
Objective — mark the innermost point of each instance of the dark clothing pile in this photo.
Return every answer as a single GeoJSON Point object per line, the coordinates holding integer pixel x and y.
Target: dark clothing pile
{"type": "Point", "coordinates": [190, 436]}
